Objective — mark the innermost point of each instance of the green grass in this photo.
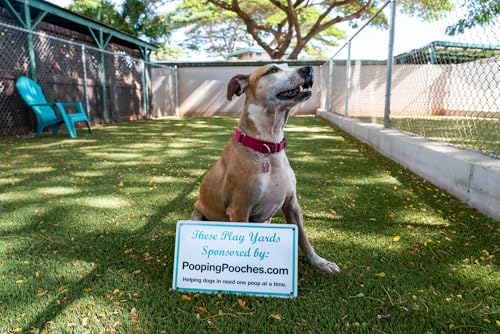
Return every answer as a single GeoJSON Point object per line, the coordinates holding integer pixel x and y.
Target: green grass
{"type": "Point", "coordinates": [87, 232]}
{"type": "Point", "coordinates": [474, 133]}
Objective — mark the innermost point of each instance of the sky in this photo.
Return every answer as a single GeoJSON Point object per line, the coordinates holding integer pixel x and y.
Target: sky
{"type": "Point", "coordinates": [372, 42]}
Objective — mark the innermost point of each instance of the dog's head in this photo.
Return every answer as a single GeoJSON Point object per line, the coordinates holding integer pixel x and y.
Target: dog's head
{"type": "Point", "coordinates": [274, 84]}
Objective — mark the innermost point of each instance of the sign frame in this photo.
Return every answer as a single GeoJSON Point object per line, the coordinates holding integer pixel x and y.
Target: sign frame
{"type": "Point", "coordinates": [230, 225]}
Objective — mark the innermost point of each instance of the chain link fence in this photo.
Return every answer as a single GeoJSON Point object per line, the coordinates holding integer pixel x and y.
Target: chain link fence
{"type": "Point", "coordinates": [113, 86]}
{"type": "Point", "coordinates": [444, 87]}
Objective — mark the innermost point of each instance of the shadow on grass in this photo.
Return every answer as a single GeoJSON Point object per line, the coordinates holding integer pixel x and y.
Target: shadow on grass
{"type": "Point", "coordinates": [87, 232]}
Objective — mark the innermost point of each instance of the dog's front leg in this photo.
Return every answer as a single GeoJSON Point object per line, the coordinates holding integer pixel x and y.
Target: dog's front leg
{"type": "Point", "coordinates": [238, 209]}
{"type": "Point", "coordinates": [293, 215]}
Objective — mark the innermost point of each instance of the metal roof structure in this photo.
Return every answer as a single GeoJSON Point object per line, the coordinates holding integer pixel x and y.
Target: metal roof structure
{"type": "Point", "coordinates": [442, 52]}
{"type": "Point", "coordinates": [30, 13]}
{"type": "Point", "coordinates": [249, 50]}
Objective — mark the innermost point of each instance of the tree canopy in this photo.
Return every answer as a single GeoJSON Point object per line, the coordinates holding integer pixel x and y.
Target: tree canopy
{"type": "Point", "coordinates": [139, 18]}
{"type": "Point", "coordinates": [278, 26]}
{"type": "Point", "coordinates": [479, 12]}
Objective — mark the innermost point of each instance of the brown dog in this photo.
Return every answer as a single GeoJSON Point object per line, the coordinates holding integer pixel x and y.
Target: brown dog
{"type": "Point", "coordinates": [253, 179]}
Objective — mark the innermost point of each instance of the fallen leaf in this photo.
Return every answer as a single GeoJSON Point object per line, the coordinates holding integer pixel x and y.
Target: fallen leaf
{"type": "Point", "coordinates": [359, 295]}
{"type": "Point", "coordinates": [133, 314]}
{"type": "Point", "coordinates": [85, 321]}
{"type": "Point", "coordinates": [87, 289]}
{"type": "Point", "coordinates": [242, 303]}
{"type": "Point", "coordinates": [202, 309]}
{"type": "Point", "coordinates": [381, 274]}
{"type": "Point", "coordinates": [17, 330]}
{"type": "Point", "coordinates": [185, 297]}
{"type": "Point", "coordinates": [115, 291]}
{"type": "Point", "coordinates": [276, 316]}
{"type": "Point", "coordinates": [19, 282]}
{"type": "Point", "coordinates": [396, 238]}
{"type": "Point", "coordinates": [40, 293]}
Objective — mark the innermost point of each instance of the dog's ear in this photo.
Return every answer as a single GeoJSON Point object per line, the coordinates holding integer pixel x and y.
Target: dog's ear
{"type": "Point", "coordinates": [237, 85]}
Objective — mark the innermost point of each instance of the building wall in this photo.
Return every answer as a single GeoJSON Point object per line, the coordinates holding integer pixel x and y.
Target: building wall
{"type": "Point", "coordinates": [202, 91]}
{"type": "Point", "coordinates": [420, 90]}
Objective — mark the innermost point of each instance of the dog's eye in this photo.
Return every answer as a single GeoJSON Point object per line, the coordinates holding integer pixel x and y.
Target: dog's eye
{"type": "Point", "coordinates": [272, 70]}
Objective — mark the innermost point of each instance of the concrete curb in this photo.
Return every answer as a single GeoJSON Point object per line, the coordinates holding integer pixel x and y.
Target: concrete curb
{"type": "Point", "coordinates": [472, 177]}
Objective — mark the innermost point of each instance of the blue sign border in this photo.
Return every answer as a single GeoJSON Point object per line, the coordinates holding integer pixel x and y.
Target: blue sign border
{"type": "Point", "coordinates": [292, 294]}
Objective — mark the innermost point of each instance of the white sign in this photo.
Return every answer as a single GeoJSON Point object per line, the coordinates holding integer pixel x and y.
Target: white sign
{"type": "Point", "coordinates": [242, 258]}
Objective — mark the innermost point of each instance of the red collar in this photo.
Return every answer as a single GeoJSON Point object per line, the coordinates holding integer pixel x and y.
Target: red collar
{"type": "Point", "coordinates": [258, 145]}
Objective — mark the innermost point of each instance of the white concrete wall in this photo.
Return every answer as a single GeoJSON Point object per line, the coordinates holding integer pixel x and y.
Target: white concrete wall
{"type": "Point", "coordinates": [202, 91]}
{"type": "Point", "coordinates": [420, 90]}
{"type": "Point", "coordinates": [472, 177]}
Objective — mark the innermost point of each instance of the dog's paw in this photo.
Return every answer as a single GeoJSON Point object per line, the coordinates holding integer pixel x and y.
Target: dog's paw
{"type": "Point", "coordinates": [325, 265]}
{"type": "Point", "coordinates": [329, 267]}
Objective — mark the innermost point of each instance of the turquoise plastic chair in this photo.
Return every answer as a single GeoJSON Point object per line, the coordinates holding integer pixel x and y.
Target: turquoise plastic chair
{"type": "Point", "coordinates": [32, 94]}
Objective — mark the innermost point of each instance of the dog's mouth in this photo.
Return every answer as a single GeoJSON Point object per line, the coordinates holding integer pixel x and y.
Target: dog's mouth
{"type": "Point", "coordinates": [300, 93]}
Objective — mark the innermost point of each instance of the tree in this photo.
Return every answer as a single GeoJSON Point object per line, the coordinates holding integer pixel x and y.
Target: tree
{"type": "Point", "coordinates": [210, 29]}
{"type": "Point", "coordinates": [167, 52]}
{"type": "Point", "coordinates": [139, 18]}
{"type": "Point", "coordinates": [281, 25]}
{"type": "Point", "coordinates": [480, 12]}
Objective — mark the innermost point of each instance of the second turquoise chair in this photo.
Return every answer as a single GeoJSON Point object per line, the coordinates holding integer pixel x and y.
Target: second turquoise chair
{"type": "Point", "coordinates": [32, 94]}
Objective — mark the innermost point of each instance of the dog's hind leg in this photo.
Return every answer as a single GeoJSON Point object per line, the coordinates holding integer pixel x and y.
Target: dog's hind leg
{"type": "Point", "coordinates": [293, 215]}
{"type": "Point", "coordinates": [197, 215]}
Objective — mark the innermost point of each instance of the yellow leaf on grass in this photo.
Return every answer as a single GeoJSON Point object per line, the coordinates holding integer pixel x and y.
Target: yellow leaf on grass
{"type": "Point", "coordinates": [276, 316]}
{"type": "Point", "coordinates": [87, 289]}
{"type": "Point", "coordinates": [40, 293]}
{"type": "Point", "coordinates": [133, 314]}
{"type": "Point", "coordinates": [19, 281]}
{"type": "Point", "coordinates": [185, 297]}
{"type": "Point", "coordinates": [202, 309]}
{"type": "Point", "coordinates": [381, 274]}
{"type": "Point", "coordinates": [17, 330]}
{"type": "Point", "coordinates": [396, 238]}
{"type": "Point", "coordinates": [498, 323]}
{"type": "Point", "coordinates": [242, 303]}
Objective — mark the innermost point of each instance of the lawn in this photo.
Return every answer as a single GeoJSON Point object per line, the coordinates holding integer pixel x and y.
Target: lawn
{"type": "Point", "coordinates": [475, 133]}
{"type": "Point", "coordinates": [87, 232]}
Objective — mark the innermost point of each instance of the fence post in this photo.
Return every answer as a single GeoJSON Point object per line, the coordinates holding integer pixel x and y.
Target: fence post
{"type": "Point", "coordinates": [390, 63]}
{"type": "Point", "coordinates": [144, 89]}
{"type": "Point", "coordinates": [85, 93]}
{"type": "Point", "coordinates": [104, 98]}
{"type": "Point", "coordinates": [347, 79]}
{"type": "Point", "coordinates": [31, 47]}
{"type": "Point", "coordinates": [176, 87]}
{"type": "Point", "coordinates": [329, 97]}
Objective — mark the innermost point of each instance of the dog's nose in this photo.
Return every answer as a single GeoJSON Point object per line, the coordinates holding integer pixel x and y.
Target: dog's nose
{"type": "Point", "coordinates": [306, 72]}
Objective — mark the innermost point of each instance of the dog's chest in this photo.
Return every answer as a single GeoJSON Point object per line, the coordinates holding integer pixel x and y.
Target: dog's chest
{"type": "Point", "coordinates": [272, 188]}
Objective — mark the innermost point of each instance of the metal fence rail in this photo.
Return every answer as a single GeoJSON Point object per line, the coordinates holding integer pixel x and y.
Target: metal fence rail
{"type": "Point", "coordinates": [114, 86]}
{"type": "Point", "coordinates": [445, 90]}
